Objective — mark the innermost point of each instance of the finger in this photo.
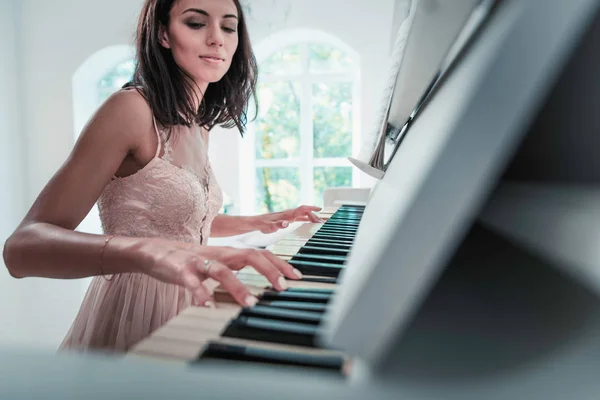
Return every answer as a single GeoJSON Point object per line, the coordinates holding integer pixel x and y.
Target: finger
{"type": "Point", "coordinates": [282, 224]}
{"type": "Point", "coordinates": [302, 219]}
{"type": "Point", "coordinates": [313, 217]}
{"type": "Point", "coordinates": [200, 294]}
{"type": "Point", "coordinates": [306, 209]}
{"type": "Point", "coordinates": [231, 284]}
{"type": "Point", "coordinates": [313, 208]}
{"type": "Point", "coordinates": [268, 269]}
{"type": "Point", "coordinates": [285, 268]}
{"type": "Point", "coordinates": [275, 226]}
{"type": "Point", "coordinates": [309, 216]}
{"type": "Point", "coordinates": [269, 228]}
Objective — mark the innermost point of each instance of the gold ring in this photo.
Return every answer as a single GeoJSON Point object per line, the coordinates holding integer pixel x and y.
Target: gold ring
{"type": "Point", "coordinates": [208, 264]}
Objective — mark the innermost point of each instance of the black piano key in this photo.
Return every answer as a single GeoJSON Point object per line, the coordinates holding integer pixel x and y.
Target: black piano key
{"type": "Point", "coordinates": [338, 223]}
{"type": "Point", "coordinates": [311, 290]}
{"type": "Point", "coordinates": [295, 305]}
{"type": "Point", "coordinates": [337, 229]}
{"type": "Point", "coordinates": [345, 228]}
{"type": "Point", "coordinates": [346, 214]}
{"type": "Point", "coordinates": [348, 220]}
{"type": "Point", "coordinates": [322, 237]}
{"type": "Point", "coordinates": [343, 213]}
{"type": "Point", "coordinates": [224, 351]}
{"type": "Point", "coordinates": [325, 250]}
{"type": "Point", "coordinates": [282, 314]}
{"type": "Point", "coordinates": [319, 279]}
{"type": "Point", "coordinates": [288, 295]}
{"type": "Point", "coordinates": [350, 228]}
{"type": "Point", "coordinates": [320, 258]}
{"type": "Point", "coordinates": [337, 232]}
{"type": "Point", "coordinates": [324, 241]}
{"type": "Point", "coordinates": [266, 330]}
{"type": "Point", "coordinates": [348, 211]}
{"type": "Point", "coordinates": [334, 235]}
{"type": "Point", "coordinates": [330, 243]}
{"type": "Point", "coordinates": [316, 268]}
{"type": "Point", "coordinates": [341, 239]}
{"type": "Point", "coordinates": [344, 219]}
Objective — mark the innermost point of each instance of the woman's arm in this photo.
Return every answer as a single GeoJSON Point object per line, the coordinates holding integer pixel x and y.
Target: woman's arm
{"type": "Point", "coordinates": [45, 243]}
{"type": "Point", "coordinates": [229, 225]}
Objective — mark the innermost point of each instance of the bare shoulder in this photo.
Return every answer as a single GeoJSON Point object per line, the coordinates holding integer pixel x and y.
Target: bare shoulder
{"type": "Point", "coordinates": [125, 117]}
{"type": "Point", "coordinates": [117, 129]}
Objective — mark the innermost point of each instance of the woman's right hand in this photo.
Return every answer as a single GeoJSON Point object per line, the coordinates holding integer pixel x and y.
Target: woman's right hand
{"type": "Point", "coordinates": [188, 265]}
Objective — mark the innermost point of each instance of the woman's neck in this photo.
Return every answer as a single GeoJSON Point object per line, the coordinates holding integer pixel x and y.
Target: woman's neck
{"type": "Point", "coordinates": [199, 90]}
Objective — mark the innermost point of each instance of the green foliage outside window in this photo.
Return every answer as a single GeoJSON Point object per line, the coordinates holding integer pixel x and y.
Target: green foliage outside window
{"type": "Point", "coordinates": [287, 61]}
{"type": "Point", "coordinates": [277, 189]}
{"type": "Point", "coordinates": [323, 58]}
{"type": "Point", "coordinates": [115, 79]}
{"type": "Point", "coordinates": [278, 128]}
{"type": "Point", "coordinates": [325, 177]}
{"type": "Point", "coordinates": [332, 119]}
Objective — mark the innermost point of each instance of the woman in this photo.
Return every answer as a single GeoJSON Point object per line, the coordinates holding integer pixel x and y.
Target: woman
{"type": "Point", "coordinates": [143, 157]}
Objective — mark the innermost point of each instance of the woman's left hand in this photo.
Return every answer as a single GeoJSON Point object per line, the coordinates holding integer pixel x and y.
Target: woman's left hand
{"type": "Point", "coordinates": [272, 222]}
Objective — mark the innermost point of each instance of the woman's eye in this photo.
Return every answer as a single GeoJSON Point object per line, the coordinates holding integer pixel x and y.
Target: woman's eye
{"type": "Point", "coordinates": [229, 30]}
{"type": "Point", "coordinates": [195, 25]}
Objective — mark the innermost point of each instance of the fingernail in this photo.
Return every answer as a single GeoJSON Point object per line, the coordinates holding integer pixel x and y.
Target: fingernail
{"type": "Point", "coordinates": [297, 273]}
{"type": "Point", "coordinates": [210, 304]}
{"type": "Point", "coordinates": [282, 283]}
{"type": "Point", "coordinates": [285, 224]}
{"type": "Point", "coordinates": [250, 301]}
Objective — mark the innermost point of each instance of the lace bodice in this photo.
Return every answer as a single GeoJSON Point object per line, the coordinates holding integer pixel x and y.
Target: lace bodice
{"type": "Point", "coordinates": [175, 196]}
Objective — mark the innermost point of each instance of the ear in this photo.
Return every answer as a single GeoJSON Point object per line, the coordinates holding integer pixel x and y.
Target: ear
{"type": "Point", "coordinates": [163, 37]}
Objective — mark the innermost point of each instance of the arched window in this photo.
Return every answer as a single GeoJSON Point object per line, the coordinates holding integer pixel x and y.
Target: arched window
{"type": "Point", "coordinates": [308, 93]}
{"type": "Point", "coordinates": [96, 78]}
{"type": "Point", "coordinates": [114, 79]}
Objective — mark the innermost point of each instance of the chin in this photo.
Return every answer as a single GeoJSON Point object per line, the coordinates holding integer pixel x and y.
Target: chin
{"type": "Point", "coordinates": [209, 78]}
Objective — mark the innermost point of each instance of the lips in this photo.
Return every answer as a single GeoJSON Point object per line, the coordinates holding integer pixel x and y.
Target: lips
{"type": "Point", "coordinates": [212, 58]}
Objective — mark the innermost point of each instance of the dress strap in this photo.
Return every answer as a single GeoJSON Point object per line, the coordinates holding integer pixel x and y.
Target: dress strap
{"type": "Point", "coordinates": [159, 146]}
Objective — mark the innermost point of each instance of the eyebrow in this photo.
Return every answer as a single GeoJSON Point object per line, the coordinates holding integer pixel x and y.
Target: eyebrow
{"type": "Point", "coordinates": [199, 11]}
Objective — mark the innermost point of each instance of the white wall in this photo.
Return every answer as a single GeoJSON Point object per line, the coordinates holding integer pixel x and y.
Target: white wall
{"type": "Point", "coordinates": [12, 165]}
{"type": "Point", "coordinates": [46, 41]}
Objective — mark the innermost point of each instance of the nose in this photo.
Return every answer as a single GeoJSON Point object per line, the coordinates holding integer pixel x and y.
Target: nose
{"type": "Point", "coordinates": [215, 36]}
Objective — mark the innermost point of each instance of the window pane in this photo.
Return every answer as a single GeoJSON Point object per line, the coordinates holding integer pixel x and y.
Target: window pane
{"type": "Point", "coordinates": [278, 122]}
{"type": "Point", "coordinates": [332, 119]}
{"type": "Point", "coordinates": [325, 177]}
{"type": "Point", "coordinates": [115, 79]}
{"type": "Point", "coordinates": [277, 189]}
{"type": "Point", "coordinates": [287, 61]}
{"type": "Point", "coordinates": [323, 58]}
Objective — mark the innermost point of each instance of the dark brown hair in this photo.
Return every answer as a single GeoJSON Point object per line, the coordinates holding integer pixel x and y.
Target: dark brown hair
{"type": "Point", "coordinates": [170, 91]}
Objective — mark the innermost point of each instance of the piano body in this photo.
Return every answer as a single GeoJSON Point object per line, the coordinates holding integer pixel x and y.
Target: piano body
{"type": "Point", "coordinates": [472, 272]}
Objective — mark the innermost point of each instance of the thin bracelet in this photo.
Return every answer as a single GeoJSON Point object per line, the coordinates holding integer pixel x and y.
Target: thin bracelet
{"type": "Point", "coordinates": [102, 258]}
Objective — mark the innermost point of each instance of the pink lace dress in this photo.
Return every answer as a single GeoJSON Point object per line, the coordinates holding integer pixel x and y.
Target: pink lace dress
{"type": "Point", "coordinates": [175, 196]}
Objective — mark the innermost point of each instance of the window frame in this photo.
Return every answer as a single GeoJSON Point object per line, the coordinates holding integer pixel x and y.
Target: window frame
{"type": "Point", "coordinates": [306, 162]}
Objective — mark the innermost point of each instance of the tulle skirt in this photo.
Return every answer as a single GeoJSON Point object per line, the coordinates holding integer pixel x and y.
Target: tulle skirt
{"type": "Point", "coordinates": [117, 314]}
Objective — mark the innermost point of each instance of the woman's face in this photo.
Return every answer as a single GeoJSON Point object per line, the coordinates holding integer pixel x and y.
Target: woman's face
{"type": "Point", "coordinates": [203, 37]}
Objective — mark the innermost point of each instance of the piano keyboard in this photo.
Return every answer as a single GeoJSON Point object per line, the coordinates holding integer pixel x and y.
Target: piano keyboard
{"type": "Point", "coordinates": [281, 328]}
